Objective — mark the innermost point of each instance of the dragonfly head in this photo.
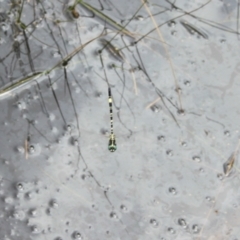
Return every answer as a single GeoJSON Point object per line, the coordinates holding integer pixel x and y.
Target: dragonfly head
{"type": "Point", "coordinates": [112, 146]}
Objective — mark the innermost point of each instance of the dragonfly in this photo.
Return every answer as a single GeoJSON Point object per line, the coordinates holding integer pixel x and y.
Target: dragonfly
{"type": "Point", "coordinates": [112, 145]}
